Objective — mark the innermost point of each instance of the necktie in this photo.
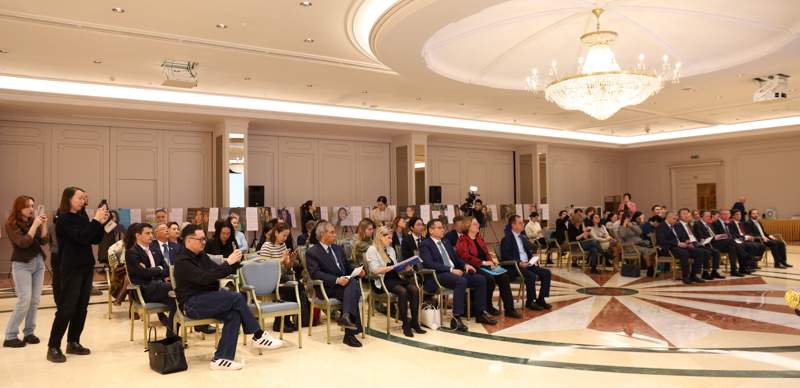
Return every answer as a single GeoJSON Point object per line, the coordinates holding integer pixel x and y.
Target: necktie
{"type": "Point", "coordinates": [165, 251]}
{"type": "Point", "coordinates": [443, 252]}
{"type": "Point", "coordinates": [330, 253]}
{"type": "Point", "coordinates": [725, 226]}
{"type": "Point", "coordinates": [760, 231]}
{"type": "Point", "coordinates": [419, 241]}
{"type": "Point", "coordinates": [689, 232]}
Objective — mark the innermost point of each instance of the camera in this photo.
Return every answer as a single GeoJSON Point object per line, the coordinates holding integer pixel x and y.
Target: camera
{"type": "Point", "coordinates": [469, 203]}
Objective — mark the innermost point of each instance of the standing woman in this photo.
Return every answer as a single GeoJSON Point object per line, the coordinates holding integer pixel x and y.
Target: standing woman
{"type": "Point", "coordinates": [76, 235]}
{"type": "Point", "coordinates": [308, 212]}
{"type": "Point", "coordinates": [27, 232]}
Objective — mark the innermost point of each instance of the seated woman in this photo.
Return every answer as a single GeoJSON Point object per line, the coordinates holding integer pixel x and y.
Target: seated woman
{"type": "Point", "coordinates": [534, 231]}
{"type": "Point", "coordinates": [362, 240]}
{"type": "Point", "coordinates": [577, 233]}
{"type": "Point", "coordinates": [275, 248]}
{"type": "Point", "coordinates": [223, 242]}
{"type": "Point", "coordinates": [629, 235]}
{"type": "Point", "coordinates": [400, 231]}
{"type": "Point", "coordinates": [612, 222]}
{"type": "Point", "coordinates": [600, 234]}
{"type": "Point", "coordinates": [302, 239]}
{"type": "Point", "coordinates": [116, 265]}
{"type": "Point", "coordinates": [380, 259]}
{"type": "Point", "coordinates": [472, 249]}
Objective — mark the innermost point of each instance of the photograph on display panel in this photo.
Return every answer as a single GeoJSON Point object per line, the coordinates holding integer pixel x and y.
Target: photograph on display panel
{"type": "Point", "coordinates": [340, 216]}
{"type": "Point", "coordinates": [286, 214]}
{"type": "Point", "coordinates": [198, 216]}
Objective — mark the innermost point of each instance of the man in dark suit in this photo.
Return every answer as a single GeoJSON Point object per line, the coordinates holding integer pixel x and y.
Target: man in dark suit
{"type": "Point", "coordinates": [161, 245]}
{"type": "Point", "coordinates": [149, 271]}
{"type": "Point", "coordinates": [414, 239]}
{"type": "Point", "coordinates": [668, 241]}
{"type": "Point", "coordinates": [723, 239]}
{"type": "Point", "coordinates": [754, 228]}
{"type": "Point", "coordinates": [705, 236]}
{"type": "Point", "coordinates": [327, 262]}
{"type": "Point", "coordinates": [753, 247]}
{"type": "Point", "coordinates": [685, 234]}
{"type": "Point", "coordinates": [437, 254]}
{"type": "Point", "coordinates": [516, 247]}
{"type": "Point", "coordinates": [453, 235]}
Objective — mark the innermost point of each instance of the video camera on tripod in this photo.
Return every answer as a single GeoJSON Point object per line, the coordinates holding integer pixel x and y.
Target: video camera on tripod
{"type": "Point", "coordinates": [468, 206]}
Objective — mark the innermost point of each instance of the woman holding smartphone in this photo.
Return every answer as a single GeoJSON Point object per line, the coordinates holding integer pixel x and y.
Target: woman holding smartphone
{"type": "Point", "coordinates": [76, 234]}
{"type": "Point", "coordinates": [28, 232]}
{"type": "Point", "coordinates": [275, 248]}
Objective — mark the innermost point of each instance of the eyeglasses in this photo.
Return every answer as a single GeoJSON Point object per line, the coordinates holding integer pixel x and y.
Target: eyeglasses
{"type": "Point", "coordinates": [201, 239]}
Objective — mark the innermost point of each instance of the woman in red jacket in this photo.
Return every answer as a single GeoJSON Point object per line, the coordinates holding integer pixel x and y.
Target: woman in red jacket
{"type": "Point", "coordinates": [472, 249]}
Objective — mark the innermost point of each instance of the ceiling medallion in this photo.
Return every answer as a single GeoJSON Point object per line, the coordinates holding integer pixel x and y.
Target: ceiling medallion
{"type": "Point", "coordinates": [601, 88]}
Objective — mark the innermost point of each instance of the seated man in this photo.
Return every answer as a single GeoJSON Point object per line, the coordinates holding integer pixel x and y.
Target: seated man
{"type": "Point", "coordinates": [326, 261]}
{"type": "Point", "coordinates": [454, 234]}
{"type": "Point", "coordinates": [516, 247]}
{"type": "Point", "coordinates": [685, 234]}
{"type": "Point", "coordinates": [706, 239]}
{"type": "Point", "coordinates": [162, 246]}
{"type": "Point", "coordinates": [147, 270]}
{"type": "Point", "coordinates": [751, 246]}
{"type": "Point", "coordinates": [777, 247]}
{"type": "Point", "coordinates": [200, 297]}
{"type": "Point", "coordinates": [723, 238]}
{"type": "Point", "coordinates": [667, 240]}
{"type": "Point", "coordinates": [437, 254]}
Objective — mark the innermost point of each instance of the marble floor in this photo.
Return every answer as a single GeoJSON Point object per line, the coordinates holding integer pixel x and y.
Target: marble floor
{"type": "Point", "coordinates": [605, 330]}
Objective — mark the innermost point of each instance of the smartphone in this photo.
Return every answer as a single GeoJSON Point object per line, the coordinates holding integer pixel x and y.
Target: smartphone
{"type": "Point", "coordinates": [40, 210]}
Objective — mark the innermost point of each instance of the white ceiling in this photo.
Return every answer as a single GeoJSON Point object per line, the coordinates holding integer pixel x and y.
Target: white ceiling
{"type": "Point", "coordinates": [264, 41]}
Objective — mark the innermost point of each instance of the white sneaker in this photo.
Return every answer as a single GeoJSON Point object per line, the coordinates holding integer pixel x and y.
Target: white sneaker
{"type": "Point", "coordinates": [223, 364]}
{"type": "Point", "coordinates": [266, 342]}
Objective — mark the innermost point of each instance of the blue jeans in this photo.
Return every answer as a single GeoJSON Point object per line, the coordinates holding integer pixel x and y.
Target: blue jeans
{"type": "Point", "coordinates": [230, 308]}
{"type": "Point", "coordinates": [28, 278]}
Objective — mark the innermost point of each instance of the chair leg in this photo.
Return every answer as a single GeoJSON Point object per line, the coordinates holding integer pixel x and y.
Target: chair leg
{"type": "Point", "coordinates": [130, 318]}
{"type": "Point", "coordinates": [369, 312]}
{"type": "Point", "coordinates": [388, 312]}
{"type": "Point", "coordinates": [299, 327]}
{"type": "Point", "coordinates": [282, 327]}
{"type": "Point", "coordinates": [328, 323]}
{"type": "Point", "coordinates": [145, 325]}
{"type": "Point", "coordinates": [311, 319]}
{"type": "Point", "coordinates": [216, 335]}
{"type": "Point", "coordinates": [469, 304]}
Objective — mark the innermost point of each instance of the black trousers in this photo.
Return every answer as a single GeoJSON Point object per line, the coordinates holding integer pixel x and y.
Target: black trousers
{"type": "Point", "coordinates": [75, 290]}
{"type": "Point", "coordinates": [158, 292]}
{"type": "Point", "coordinates": [593, 251]}
{"type": "Point", "coordinates": [736, 253]}
{"type": "Point", "coordinates": [713, 255]}
{"type": "Point", "coordinates": [407, 296]}
{"type": "Point", "coordinates": [350, 295]}
{"type": "Point", "coordinates": [55, 272]}
{"type": "Point", "coordinates": [504, 282]}
{"type": "Point", "coordinates": [683, 255]}
{"type": "Point", "coordinates": [778, 249]}
{"type": "Point", "coordinates": [531, 273]}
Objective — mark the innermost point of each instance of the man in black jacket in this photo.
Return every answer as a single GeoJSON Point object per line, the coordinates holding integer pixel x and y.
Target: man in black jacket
{"type": "Point", "coordinates": [777, 247]}
{"type": "Point", "coordinates": [705, 236]}
{"type": "Point", "coordinates": [516, 247]}
{"type": "Point", "coordinates": [413, 240]}
{"type": "Point", "coordinates": [668, 241]}
{"type": "Point", "coordinates": [723, 240]}
{"type": "Point", "coordinates": [326, 261]}
{"type": "Point", "coordinates": [200, 297]}
{"type": "Point", "coordinates": [685, 234]}
{"type": "Point", "coordinates": [148, 270]}
{"type": "Point", "coordinates": [753, 247]}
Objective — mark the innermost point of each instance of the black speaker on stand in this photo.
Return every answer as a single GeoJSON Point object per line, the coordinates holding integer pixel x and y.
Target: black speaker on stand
{"type": "Point", "coordinates": [255, 195]}
{"type": "Point", "coordinates": [435, 194]}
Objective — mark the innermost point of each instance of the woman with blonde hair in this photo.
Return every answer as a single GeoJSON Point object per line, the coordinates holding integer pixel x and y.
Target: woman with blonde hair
{"type": "Point", "coordinates": [363, 239]}
{"type": "Point", "coordinates": [381, 259]}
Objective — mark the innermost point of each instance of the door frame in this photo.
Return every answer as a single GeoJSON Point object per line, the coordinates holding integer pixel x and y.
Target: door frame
{"type": "Point", "coordinates": [676, 167]}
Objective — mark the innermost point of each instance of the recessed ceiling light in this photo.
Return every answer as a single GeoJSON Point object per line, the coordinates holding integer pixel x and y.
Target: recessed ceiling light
{"type": "Point", "coordinates": [309, 85]}
{"type": "Point", "coordinates": [719, 97]}
{"type": "Point", "coordinates": [308, 40]}
{"type": "Point", "coordinates": [364, 92]}
{"type": "Point", "coordinates": [222, 26]}
{"type": "Point", "coordinates": [419, 98]}
{"type": "Point", "coordinates": [247, 78]}
{"type": "Point", "coordinates": [499, 108]}
{"type": "Point", "coordinates": [3, 51]}
{"type": "Point", "coordinates": [97, 61]}
{"type": "Point", "coordinates": [118, 10]}
{"type": "Point", "coordinates": [306, 3]}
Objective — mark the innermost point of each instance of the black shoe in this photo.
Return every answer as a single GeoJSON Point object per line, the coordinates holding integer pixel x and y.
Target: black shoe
{"type": "Point", "coordinates": [31, 339]}
{"type": "Point", "coordinates": [77, 349]}
{"type": "Point", "coordinates": [346, 322]}
{"type": "Point", "coordinates": [534, 307]}
{"type": "Point", "coordinates": [706, 276]}
{"type": "Point", "coordinates": [716, 275]}
{"type": "Point", "coordinates": [13, 343]}
{"type": "Point", "coordinates": [549, 261]}
{"type": "Point", "coordinates": [407, 331]}
{"type": "Point", "coordinates": [575, 265]}
{"type": "Point", "coordinates": [543, 304]}
{"type": "Point", "coordinates": [513, 314]}
{"type": "Point", "coordinates": [458, 325]}
{"type": "Point", "coordinates": [55, 355]}
{"type": "Point", "coordinates": [352, 341]}
{"type": "Point", "coordinates": [650, 272]}
{"type": "Point", "coordinates": [746, 271]}
{"type": "Point", "coordinates": [696, 279]}
{"type": "Point", "coordinates": [787, 265]}
{"type": "Point", "coordinates": [737, 274]}
{"type": "Point", "coordinates": [780, 266]}
{"type": "Point", "coordinates": [418, 329]}
{"type": "Point", "coordinates": [594, 271]}
{"type": "Point", "coordinates": [205, 329]}
{"type": "Point", "coordinates": [493, 311]}
{"type": "Point", "coordinates": [485, 319]}
{"type": "Point", "coordinates": [687, 280]}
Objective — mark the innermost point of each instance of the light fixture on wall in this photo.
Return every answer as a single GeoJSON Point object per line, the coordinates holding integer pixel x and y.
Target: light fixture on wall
{"type": "Point", "coordinates": [601, 87]}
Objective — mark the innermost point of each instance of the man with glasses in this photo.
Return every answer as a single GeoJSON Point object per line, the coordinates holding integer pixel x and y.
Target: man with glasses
{"type": "Point", "coordinates": [200, 297]}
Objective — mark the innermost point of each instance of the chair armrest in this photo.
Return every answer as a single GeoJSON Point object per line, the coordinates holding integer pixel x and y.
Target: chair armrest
{"type": "Point", "coordinates": [289, 283]}
{"type": "Point", "coordinates": [137, 291]}
{"type": "Point", "coordinates": [509, 262]}
{"type": "Point", "coordinates": [430, 272]}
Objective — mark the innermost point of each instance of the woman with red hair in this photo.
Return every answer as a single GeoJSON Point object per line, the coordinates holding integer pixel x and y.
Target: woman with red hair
{"type": "Point", "coordinates": [27, 232]}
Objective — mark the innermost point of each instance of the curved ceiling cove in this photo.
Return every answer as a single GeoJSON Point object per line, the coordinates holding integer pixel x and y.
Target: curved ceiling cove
{"type": "Point", "coordinates": [515, 36]}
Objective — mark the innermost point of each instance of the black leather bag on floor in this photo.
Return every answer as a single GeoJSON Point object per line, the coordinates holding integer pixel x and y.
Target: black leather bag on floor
{"type": "Point", "coordinates": [631, 270]}
{"type": "Point", "coordinates": [166, 355]}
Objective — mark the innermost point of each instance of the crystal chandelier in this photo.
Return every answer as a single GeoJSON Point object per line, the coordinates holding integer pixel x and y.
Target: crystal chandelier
{"type": "Point", "coordinates": [601, 88]}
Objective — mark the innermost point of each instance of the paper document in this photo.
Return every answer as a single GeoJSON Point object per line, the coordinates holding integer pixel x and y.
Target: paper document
{"type": "Point", "coordinates": [356, 272]}
{"type": "Point", "coordinates": [413, 260]}
{"type": "Point", "coordinates": [251, 215]}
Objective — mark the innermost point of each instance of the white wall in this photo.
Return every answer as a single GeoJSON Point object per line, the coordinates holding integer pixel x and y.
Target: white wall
{"type": "Point", "coordinates": [583, 176]}
{"type": "Point", "coordinates": [329, 171]}
{"type": "Point", "coordinates": [457, 168]}
{"type": "Point", "coordinates": [138, 168]}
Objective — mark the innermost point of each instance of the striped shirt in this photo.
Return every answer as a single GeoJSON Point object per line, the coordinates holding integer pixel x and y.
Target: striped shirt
{"type": "Point", "coordinates": [272, 251]}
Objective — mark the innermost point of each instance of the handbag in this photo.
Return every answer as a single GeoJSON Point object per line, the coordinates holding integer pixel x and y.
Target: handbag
{"type": "Point", "coordinates": [166, 355]}
{"type": "Point", "coordinates": [430, 317]}
{"type": "Point", "coordinates": [631, 270]}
